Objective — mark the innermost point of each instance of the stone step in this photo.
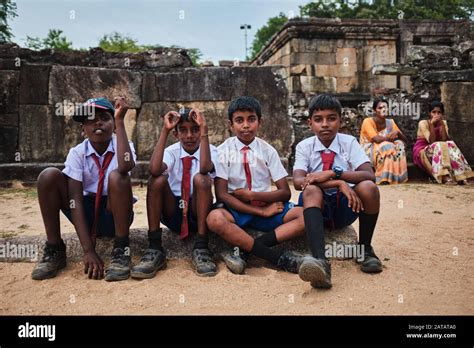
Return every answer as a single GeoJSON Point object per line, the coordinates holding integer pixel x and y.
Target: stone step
{"type": "Point", "coordinates": [175, 248]}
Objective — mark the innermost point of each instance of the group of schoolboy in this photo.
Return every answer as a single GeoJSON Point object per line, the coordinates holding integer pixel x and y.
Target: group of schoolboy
{"type": "Point", "coordinates": [94, 192]}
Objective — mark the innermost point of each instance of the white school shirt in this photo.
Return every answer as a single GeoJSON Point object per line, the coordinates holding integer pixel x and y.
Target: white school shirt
{"type": "Point", "coordinates": [172, 159]}
{"type": "Point", "coordinates": [349, 154]}
{"type": "Point", "coordinates": [264, 161]}
{"type": "Point", "coordinates": [80, 166]}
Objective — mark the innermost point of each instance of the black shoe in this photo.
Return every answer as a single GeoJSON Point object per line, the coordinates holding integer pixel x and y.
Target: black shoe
{"type": "Point", "coordinates": [289, 261]}
{"type": "Point", "coordinates": [119, 268]}
{"type": "Point", "coordinates": [316, 271]}
{"type": "Point", "coordinates": [52, 261]}
{"type": "Point", "coordinates": [151, 262]}
{"type": "Point", "coordinates": [203, 264]}
{"type": "Point", "coordinates": [236, 262]}
{"type": "Point", "coordinates": [371, 263]}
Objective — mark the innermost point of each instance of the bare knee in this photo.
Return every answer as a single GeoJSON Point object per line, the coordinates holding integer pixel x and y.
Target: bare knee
{"type": "Point", "coordinates": [117, 179]}
{"type": "Point", "coordinates": [367, 189]}
{"type": "Point", "coordinates": [312, 195]}
{"type": "Point", "coordinates": [215, 220]}
{"type": "Point", "coordinates": [157, 182]}
{"type": "Point", "coordinates": [202, 181]}
{"type": "Point", "coordinates": [50, 176]}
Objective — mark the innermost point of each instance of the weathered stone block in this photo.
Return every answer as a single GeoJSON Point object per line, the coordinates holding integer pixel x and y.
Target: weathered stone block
{"type": "Point", "coordinates": [311, 84]}
{"type": "Point", "coordinates": [345, 70]}
{"type": "Point", "coordinates": [458, 98]}
{"type": "Point", "coordinates": [149, 88]}
{"type": "Point", "coordinates": [8, 143]}
{"type": "Point", "coordinates": [52, 137]}
{"type": "Point", "coordinates": [34, 90]}
{"type": "Point", "coordinates": [195, 84]}
{"type": "Point", "coordinates": [77, 84]}
{"type": "Point", "coordinates": [346, 55]}
{"type": "Point", "coordinates": [346, 84]}
{"type": "Point", "coordinates": [313, 58]}
{"type": "Point", "coordinates": [130, 122]}
{"type": "Point", "coordinates": [9, 87]}
{"type": "Point", "coordinates": [325, 70]}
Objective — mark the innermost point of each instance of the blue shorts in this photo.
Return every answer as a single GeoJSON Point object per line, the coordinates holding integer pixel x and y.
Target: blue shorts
{"type": "Point", "coordinates": [265, 224]}
{"type": "Point", "coordinates": [335, 216]}
{"type": "Point", "coordinates": [174, 223]}
{"type": "Point", "coordinates": [106, 226]}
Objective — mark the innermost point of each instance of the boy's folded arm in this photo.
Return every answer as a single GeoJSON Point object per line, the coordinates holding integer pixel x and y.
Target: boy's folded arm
{"type": "Point", "coordinates": [362, 173]}
{"type": "Point", "coordinates": [124, 152]}
{"type": "Point", "coordinates": [78, 215]}
{"type": "Point", "coordinates": [232, 202]}
{"type": "Point", "coordinates": [298, 178]}
{"type": "Point", "coordinates": [206, 166]}
{"type": "Point", "coordinates": [281, 194]}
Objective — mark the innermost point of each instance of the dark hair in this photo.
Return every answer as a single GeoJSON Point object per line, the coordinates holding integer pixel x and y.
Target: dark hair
{"type": "Point", "coordinates": [377, 101]}
{"type": "Point", "coordinates": [244, 103]}
{"type": "Point", "coordinates": [184, 117]}
{"type": "Point", "coordinates": [436, 104]}
{"type": "Point", "coordinates": [324, 102]}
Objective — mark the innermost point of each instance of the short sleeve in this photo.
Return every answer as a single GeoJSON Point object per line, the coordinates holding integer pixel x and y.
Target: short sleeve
{"type": "Point", "coordinates": [214, 156]}
{"type": "Point", "coordinates": [423, 130]}
{"type": "Point", "coordinates": [394, 126]}
{"type": "Point", "coordinates": [357, 155]}
{"type": "Point", "coordinates": [301, 158]}
{"type": "Point", "coordinates": [277, 170]}
{"type": "Point", "coordinates": [446, 126]}
{"type": "Point", "coordinates": [74, 165]}
{"type": "Point", "coordinates": [169, 159]}
{"type": "Point", "coordinates": [368, 130]}
{"type": "Point", "coordinates": [222, 169]}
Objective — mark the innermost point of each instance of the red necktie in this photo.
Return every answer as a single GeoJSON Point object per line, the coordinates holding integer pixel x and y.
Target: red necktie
{"type": "Point", "coordinates": [100, 188]}
{"type": "Point", "coordinates": [328, 159]}
{"type": "Point", "coordinates": [248, 175]}
{"type": "Point", "coordinates": [185, 193]}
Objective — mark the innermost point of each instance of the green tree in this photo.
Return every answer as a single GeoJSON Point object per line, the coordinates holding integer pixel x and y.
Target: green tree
{"type": "Point", "coordinates": [54, 40]}
{"type": "Point", "coordinates": [390, 9]}
{"type": "Point", "coordinates": [116, 42]}
{"type": "Point", "coordinates": [7, 10]}
{"type": "Point", "coordinates": [264, 34]}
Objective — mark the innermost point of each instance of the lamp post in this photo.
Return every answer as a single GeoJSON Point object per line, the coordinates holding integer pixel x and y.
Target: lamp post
{"type": "Point", "coordinates": [245, 27]}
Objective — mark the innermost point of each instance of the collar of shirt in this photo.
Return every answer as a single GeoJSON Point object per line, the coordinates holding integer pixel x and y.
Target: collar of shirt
{"type": "Point", "coordinates": [240, 145]}
{"type": "Point", "coordinates": [318, 146]}
{"type": "Point", "coordinates": [90, 149]}
{"type": "Point", "coordinates": [183, 153]}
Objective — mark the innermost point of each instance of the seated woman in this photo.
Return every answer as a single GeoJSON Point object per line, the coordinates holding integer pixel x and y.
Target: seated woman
{"type": "Point", "coordinates": [384, 144]}
{"type": "Point", "coordinates": [436, 154]}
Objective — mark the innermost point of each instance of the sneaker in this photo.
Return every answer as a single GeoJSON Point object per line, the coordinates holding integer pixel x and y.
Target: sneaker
{"type": "Point", "coordinates": [119, 268]}
{"type": "Point", "coordinates": [235, 262]}
{"type": "Point", "coordinates": [316, 271]}
{"type": "Point", "coordinates": [289, 261]}
{"type": "Point", "coordinates": [203, 264]}
{"type": "Point", "coordinates": [371, 263]}
{"type": "Point", "coordinates": [151, 262]}
{"type": "Point", "coordinates": [51, 262]}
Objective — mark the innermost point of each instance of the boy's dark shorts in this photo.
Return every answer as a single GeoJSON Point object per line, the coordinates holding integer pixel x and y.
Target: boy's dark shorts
{"type": "Point", "coordinates": [174, 223]}
{"type": "Point", "coordinates": [106, 226]}
{"type": "Point", "coordinates": [265, 224]}
{"type": "Point", "coordinates": [335, 216]}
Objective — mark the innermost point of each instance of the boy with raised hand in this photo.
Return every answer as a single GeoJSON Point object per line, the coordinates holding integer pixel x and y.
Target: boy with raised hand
{"type": "Point", "coordinates": [94, 191]}
{"type": "Point", "coordinates": [338, 186]}
{"type": "Point", "coordinates": [179, 192]}
{"type": "Point", "coordinates": [246, 167]}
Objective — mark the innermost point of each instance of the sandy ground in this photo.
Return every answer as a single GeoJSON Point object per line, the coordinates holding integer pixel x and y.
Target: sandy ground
{"type": "Point", "coordinates": [425, 236]}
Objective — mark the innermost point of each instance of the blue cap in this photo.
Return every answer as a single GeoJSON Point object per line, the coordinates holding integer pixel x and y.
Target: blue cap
{"type": "Point", "coordinates": [85, 111]}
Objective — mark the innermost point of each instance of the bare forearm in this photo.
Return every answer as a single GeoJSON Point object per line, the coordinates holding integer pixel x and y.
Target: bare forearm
{"type": "Point", "coordinates": [124, 152]}
{"type": "Point", "coordinates": [206, 165]}
{"type": "Point", "coordinates": [355, 177]}
{"type": "Point", "coordinates": [234, 203]}
{"type": "Point", "coordinates": [272, 196]}
{"type": "Point", "coordinates": [156, 163]}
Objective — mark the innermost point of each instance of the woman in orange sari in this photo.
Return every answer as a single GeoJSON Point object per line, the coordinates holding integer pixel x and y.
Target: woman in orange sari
{"type": "Point", "coordinates": [384, 144]}
{"type": "Point", "coordinates": [437, 154]}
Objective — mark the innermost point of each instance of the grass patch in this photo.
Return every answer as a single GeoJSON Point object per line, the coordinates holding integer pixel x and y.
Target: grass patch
{"type": "Point", "coordinates": [23, 227]}
{"type": "Point", "coordinates": [7, 234]}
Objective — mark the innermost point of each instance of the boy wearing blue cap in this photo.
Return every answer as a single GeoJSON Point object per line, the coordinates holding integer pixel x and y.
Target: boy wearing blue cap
{"type": "Point", "coordinates": [94, 192]}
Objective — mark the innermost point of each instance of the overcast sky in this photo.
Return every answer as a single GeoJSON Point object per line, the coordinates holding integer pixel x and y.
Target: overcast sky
{"type": "Point", "coordinates": [213, 26]}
